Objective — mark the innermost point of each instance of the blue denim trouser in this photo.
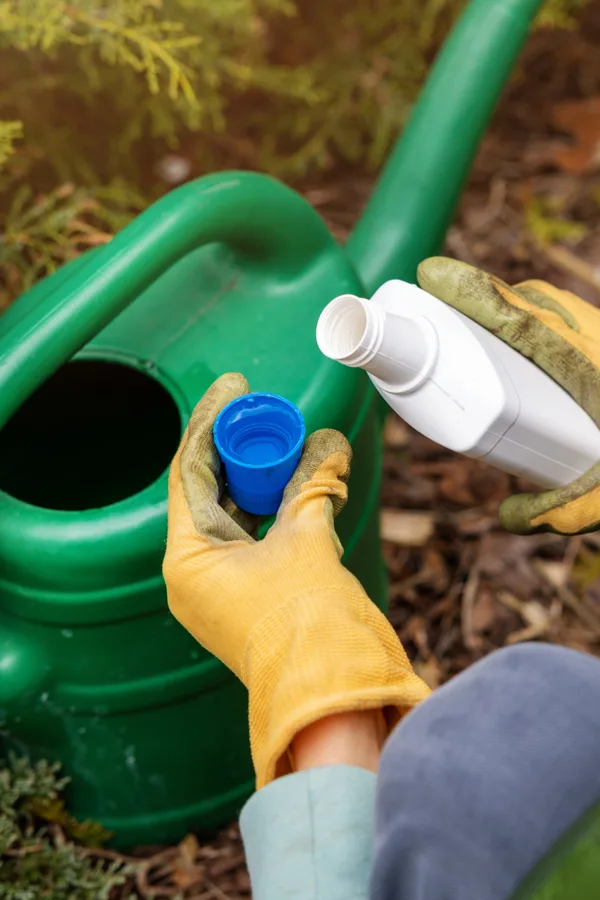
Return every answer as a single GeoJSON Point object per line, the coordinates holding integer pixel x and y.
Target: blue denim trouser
{"type": "Point", "coordinates": [478, 783]}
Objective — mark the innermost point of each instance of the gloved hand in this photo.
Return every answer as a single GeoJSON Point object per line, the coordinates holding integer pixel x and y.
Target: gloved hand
{"type": "Point", "coordinates": [282, 613]}
{"type": "Point", "coordinates": [559, 332]}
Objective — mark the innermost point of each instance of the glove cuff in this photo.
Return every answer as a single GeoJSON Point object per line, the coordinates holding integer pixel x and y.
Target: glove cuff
{"type": "Point", "coordinates": [319, 654]}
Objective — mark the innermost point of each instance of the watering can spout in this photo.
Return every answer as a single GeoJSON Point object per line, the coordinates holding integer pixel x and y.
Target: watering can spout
{"type": "Point", "coordinates": [409, 212]}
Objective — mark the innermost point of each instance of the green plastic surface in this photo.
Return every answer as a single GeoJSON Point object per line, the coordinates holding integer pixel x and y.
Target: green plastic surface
{"type": "Point", "coordinates": [227, 273]}
{"type": "Point", "coordinates": [571, 869]}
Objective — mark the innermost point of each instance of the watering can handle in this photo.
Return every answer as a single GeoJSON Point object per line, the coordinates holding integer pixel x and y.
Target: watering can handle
{"type": "Point", "coordinates": [257, 216]}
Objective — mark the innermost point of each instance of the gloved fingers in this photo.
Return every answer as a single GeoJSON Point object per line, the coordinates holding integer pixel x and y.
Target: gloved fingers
{"type": "Point", "coordinates": [577, 313]}
{"type": "Point", "coordinates": [573, 509]}
{"type": "Point", "coordinates": [245, 520]}
{"type": "Point", "coordinates": [200, 465]}
{"type": "Point", "coordinates": [325, 464]}
{"type": "Point", "coordinates": [543, 295]}
{"type": "Point", "coordinates": [561, 335]}
{"type": "Point", "coordinates": [319, 484]}
{"type": "Point", "coordinates": [518, 315]}
{"type": "Point", "coordinates": [541, 334]}
{"type": "Point", "coordinates": [483, 297]}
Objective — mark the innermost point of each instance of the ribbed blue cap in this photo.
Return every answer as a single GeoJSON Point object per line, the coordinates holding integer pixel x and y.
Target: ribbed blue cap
{"type": "Point", "coordinates": [259, 438]}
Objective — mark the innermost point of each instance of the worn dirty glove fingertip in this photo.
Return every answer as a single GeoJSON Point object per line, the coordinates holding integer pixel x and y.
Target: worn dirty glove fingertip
{"type": "Point", "coordinates": [515, 513]}
{"type": "Point", "coordinates": [321, 446]}
{"type": "Point", "coordinates": [438, 268]}
{"type": "Point", "coordinates": [226, 388]}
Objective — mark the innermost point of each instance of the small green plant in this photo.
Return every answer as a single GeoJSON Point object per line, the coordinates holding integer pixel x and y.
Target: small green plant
{"type": "Point", "coordinates": [547, 224]}
{"type": "Point", "coordinates": [44, 852]}
{"type": "Point", "coordinates": [9, 133]}
{"type": "Point", "coordinates": [561, 13]}
{"type": "Point", "coordinates": [43, 232]}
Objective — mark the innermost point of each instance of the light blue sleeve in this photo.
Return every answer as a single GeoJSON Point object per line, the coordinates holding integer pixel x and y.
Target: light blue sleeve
{"type": "Point", "coordinates": [309, 836]}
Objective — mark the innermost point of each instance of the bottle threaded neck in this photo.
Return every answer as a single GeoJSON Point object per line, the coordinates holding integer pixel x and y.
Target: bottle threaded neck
{"type": "Point", "coordinates": [350, 330]}
{"type": "Point", "coordinates": [398, 351]}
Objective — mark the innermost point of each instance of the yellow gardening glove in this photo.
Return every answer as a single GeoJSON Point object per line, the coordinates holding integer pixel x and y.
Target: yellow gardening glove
{"type": "Point", "coordinates": [560, 332]}
{"type": "Point", "coordinates": [282, 613]}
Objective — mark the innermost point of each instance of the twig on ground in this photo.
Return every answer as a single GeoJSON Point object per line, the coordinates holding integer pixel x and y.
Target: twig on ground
{"type": "Point", "coordinates": [567, 261]}
{"type": "Point", "coordinates": [471, 640]}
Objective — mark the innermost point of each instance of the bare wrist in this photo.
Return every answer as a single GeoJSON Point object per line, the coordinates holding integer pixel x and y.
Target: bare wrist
{"type": "Point", "coordinates": [350, 738]}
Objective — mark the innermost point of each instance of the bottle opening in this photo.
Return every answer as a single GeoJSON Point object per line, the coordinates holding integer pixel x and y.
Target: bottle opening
{"type": "Point", "coordinates": [397, 350]}
{"type": "Point", "coordinates": [95, 433]}
{"type": "Point", "coordinates": [342, 327]}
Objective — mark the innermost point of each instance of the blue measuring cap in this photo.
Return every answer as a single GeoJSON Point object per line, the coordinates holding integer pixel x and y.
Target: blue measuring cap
{"type": "Point", "coordinates": [259, 438]}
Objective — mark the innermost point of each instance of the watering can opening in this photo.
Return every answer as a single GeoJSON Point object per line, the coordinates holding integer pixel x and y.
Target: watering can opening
{"type": "Point", "coordinates": [95, 433]}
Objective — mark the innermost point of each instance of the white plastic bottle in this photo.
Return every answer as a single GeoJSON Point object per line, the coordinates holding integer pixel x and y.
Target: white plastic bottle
{"type": "Point", "coordinates": [456, 383]}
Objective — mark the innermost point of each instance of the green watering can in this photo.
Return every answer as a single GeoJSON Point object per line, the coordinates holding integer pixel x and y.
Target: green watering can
{"type": "Point", "coordinates": [227, 273]}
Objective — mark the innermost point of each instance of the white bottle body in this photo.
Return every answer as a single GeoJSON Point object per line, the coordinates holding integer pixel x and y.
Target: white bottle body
{"type": "Point", "coordinates": [472, 393]}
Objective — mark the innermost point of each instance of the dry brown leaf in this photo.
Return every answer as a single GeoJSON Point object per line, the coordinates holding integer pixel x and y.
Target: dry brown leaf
{"type": "Point", "coordinates": [524, 634]}
{"type": "Point", "coordinates": [556, 572]}
{"type": "Point", "coordinates": [563, 258]}
{"type": "Point", "coordinates": [536, 615]}
{"type": "Point", "coordinates": [471, 640]}
{"type": "Point", "coordinates": [186, 871]}
{"type": "Point", "coordinates": [227, 864]}
{"type": "Point", "coordinates": [506, 560]}
{"type": "Point", "coordinates": [396, 433]}
{"type": "Point", "coordinates": [581, 120]}
{"type": "Point", "coordinates": [407, 528]}
{"type": "Point", "coordinates": [429, 670]}
{"type": "Point", "coordinates": [416, 630]}
{"type": "Point", "coordinates": [586, 612]}
{"type": "Point", "coordinates": [489, 485]}
{"type": "Point", "coordinates": [433, 575]}
{"type": "Point", "coordinates": [483, 615]}
{"type": "Point", "coordinates": [474, 522]}
{"type": "Point", "coordinates": [511, 601]}
{"type": "Point", "coordinates": [404, 488]}
{"type": "Point", "coordinates": [454, 474]}
{"type": "Point", "coordinates": [215, 892]}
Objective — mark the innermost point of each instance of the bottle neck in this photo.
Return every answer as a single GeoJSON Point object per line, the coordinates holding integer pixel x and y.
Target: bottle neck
{"type": "Point", "coordinates": [398, 351]}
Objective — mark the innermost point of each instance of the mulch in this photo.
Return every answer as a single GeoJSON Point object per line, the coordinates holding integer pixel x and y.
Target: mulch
{"type": "Point", "coordinates": [460, 587]}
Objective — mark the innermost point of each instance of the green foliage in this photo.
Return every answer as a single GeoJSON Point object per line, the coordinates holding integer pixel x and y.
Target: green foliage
{"type": "Point", "coordinates": [546, 225]}
{"type": "Point", "coordinates": [43, 232]}
{"type": "Point", "coordinates": [20, 784]}
{"type": "Point", "coordinates": [282, 85]}
{"type": "Point", "coordinates": [105, 88]}
{"type": "Point", "coordinates": [9, 133]}
{"type": "Point", "coordinates": [36, 858]}
{"type": "Point", "coordinates": [561, 13]}
{"type": "Point", "coordinates": [586, 570]}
